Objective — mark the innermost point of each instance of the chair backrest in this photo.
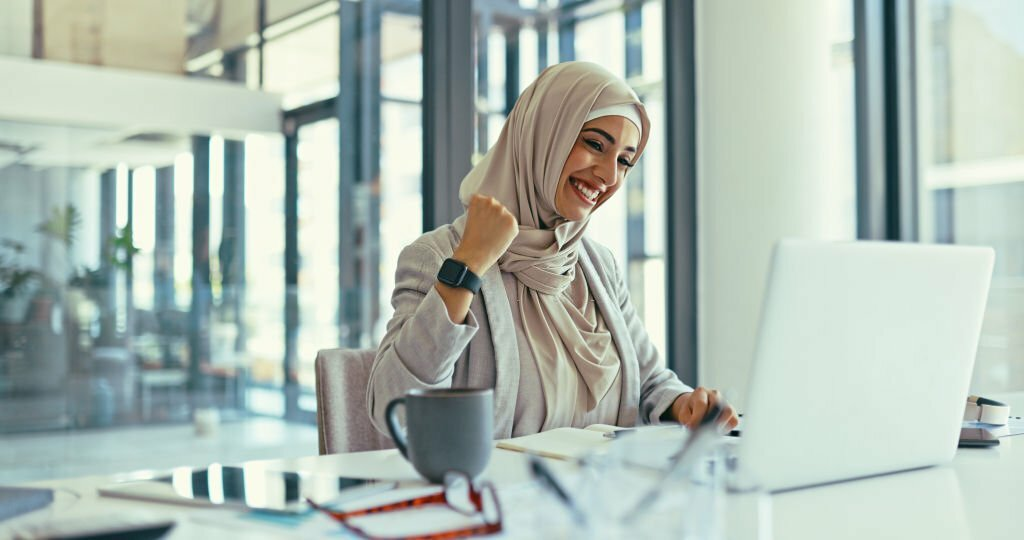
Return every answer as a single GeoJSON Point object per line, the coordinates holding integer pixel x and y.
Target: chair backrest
{"type": "Point", "coordinates": [342, 419]}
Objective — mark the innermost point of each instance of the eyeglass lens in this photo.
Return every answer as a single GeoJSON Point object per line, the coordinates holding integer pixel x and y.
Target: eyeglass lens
{"type": "Point", "coordinates": [458, 493]}
{"type": "Point", "coordinates": [489, 507]}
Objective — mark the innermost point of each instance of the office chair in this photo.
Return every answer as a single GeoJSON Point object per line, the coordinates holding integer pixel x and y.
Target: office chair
{"type": "Point", "coordinates": [342, 420]}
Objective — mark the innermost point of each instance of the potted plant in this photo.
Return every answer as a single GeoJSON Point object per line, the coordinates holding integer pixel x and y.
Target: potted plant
{"type": "Point", "coordinates": [17, 282]}
{"type": "Point", "coordinates": [20, 285]}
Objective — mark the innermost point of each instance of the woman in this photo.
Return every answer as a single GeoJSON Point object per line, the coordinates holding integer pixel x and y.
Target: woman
{"type": "Point", "coordinates": [512, 297]}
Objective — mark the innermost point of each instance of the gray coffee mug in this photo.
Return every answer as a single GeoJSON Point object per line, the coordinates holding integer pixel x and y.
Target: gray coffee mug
{"type": "Point", "coordinates": [446, 430]}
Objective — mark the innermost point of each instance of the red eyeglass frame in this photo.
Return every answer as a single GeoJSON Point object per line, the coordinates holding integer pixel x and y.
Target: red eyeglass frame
{"type": "Point", "coordinates": [475, 496]}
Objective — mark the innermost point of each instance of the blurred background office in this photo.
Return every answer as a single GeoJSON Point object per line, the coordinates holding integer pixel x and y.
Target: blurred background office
{"type": "Point", "coordinates": [197, 195]}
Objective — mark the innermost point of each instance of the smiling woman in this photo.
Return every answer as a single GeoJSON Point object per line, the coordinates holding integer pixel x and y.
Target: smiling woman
{"type": "Point", "coordinates": [597, 164]}
{"type": "Point", "coordinates": [511, 296]}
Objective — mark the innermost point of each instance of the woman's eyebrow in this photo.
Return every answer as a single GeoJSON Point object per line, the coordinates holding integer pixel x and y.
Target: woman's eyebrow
{"type": "Point", "coordinates": [606, 135]}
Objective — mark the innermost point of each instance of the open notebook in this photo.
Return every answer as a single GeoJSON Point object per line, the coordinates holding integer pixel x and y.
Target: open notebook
{"type": "Point", "coordinates": [570, 444]}
{"type": "Point", "coordinates": [562, 443]}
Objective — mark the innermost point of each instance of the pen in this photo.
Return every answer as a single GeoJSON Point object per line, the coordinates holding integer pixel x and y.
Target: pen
{"type": "Point", "coordinates": [547, 479]}
{"type": "Point", "coordinates": [712, 413]}
{"type": "Point", "coordinates": [699, 441]}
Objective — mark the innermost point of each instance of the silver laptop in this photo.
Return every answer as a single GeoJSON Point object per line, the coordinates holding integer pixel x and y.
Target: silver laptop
{"type": "Point", "coordinates": [863, 360]}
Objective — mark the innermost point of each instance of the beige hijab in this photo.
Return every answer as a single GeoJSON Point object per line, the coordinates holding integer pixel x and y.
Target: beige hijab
{"type": "Point", "coordinates": [573, 348]}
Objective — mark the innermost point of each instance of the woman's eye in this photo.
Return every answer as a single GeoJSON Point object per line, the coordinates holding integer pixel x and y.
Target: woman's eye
{"type": "Point", "coordinates": [625, 162]}
{"type": "Point", "coordinates": [593, 144]}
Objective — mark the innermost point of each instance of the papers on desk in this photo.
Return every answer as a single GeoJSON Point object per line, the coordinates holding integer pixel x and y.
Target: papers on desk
{"type": "Point", "coordinates": [19, 500]}
{"type": "Point", "coordinates": [1014, 426]}
{"type": "Point", "coordinates": [98, 525]}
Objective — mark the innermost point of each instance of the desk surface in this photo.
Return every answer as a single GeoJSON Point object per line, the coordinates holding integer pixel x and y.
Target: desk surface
{"type": "Point", "coordinates": [976, 496]}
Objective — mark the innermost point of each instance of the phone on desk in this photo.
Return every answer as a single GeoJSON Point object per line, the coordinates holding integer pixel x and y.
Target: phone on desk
{"type": "Point", "coordinates": [977, 438]}
{"type": "Point", "coordinates": [246, 488]}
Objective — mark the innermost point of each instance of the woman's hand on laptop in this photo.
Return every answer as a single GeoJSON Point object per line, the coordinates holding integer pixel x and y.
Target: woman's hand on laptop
{"type": "Point", "coordinates": [689, 408]}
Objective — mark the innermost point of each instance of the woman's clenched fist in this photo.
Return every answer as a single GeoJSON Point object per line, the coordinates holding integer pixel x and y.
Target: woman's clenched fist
{"type": "Point", "coordinates": [490, 229]}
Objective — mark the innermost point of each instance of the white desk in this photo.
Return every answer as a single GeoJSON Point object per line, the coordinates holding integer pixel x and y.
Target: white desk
{"type": "Point", "coordinates": [977, 496]}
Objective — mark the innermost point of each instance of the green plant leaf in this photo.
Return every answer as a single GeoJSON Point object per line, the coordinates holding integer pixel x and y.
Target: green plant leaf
{"type": "Point", "coordinates": [122, 248]}
{"type": "Point", "coordinates": [62, 225]}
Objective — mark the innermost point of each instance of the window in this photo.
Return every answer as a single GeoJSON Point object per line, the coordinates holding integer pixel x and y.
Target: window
{"type": "Point", "coordinates": [625, 38]}
{"type": "Point", "coordinates": [303, 65]}
{"type": "Point", "coordinates": [970, 135]}
{"type": "Point", "coordinates": [318, 287]}
{"type": "Point", "coordinates": [358, 176]}
{"type": "Point", "coordinates": [264, 252]}
{"type": "Point", "coordinates": [401, 153]}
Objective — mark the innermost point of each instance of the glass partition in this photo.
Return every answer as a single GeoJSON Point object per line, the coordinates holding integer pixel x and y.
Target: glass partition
{"type": "Point", "coordinates": [106, 239]}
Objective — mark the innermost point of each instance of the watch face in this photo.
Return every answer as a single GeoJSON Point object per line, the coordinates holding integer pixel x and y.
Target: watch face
{"type": "Point", "coordinates": [451, 273]}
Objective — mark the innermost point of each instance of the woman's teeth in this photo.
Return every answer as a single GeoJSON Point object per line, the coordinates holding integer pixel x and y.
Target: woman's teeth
{"type": "Point", "coordinates": [587, 192]}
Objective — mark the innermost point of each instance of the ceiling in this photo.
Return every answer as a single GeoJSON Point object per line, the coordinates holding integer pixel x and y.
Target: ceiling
{"type": "Point", "coordinates": [44, 145]}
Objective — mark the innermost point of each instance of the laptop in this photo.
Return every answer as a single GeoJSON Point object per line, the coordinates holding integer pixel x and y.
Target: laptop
{"type": "Point", "coordinates": [863, 360]}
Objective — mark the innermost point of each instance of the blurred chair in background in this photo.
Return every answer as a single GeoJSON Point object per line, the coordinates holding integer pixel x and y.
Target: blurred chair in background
{"type": "Point", "coordinates": [342, 419]}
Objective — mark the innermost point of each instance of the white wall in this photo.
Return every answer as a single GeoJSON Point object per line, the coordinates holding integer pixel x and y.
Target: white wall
{"type": "Point", "coordinates": [16, 28]}
{"type": "Point", "coordinates": [764, 126]}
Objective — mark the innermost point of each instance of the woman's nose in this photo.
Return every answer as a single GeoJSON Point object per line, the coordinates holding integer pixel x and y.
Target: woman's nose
{"type": "Point", "coordinates": [607, 171]}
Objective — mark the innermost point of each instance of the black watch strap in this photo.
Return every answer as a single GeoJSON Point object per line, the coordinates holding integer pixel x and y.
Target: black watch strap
{"type": "Point", "coordinates": [456, 274]}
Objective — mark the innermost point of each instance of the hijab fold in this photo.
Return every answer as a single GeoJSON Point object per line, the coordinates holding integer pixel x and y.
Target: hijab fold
{"type": "Point", "coordinates": [572, 346]}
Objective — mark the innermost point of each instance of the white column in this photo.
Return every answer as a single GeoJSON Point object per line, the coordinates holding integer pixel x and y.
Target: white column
{"type": "Point", "coordinates": [16, 28]}
{"type": "Point", "coordinates": [763, 130]}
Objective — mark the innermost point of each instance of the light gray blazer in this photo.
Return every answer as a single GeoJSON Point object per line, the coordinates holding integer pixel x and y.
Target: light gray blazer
{"type": "Point", "coordinates": [424, 349]}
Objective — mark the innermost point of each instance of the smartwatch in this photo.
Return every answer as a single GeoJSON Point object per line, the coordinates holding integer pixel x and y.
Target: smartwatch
{"type": "Point", "coordinates": [456, 274]}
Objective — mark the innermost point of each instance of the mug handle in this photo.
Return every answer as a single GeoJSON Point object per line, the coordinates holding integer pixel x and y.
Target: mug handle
{"type": "Point", "coordinates": [393, 427]}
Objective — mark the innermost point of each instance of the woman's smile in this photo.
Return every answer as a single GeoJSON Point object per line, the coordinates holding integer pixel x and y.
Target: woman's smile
{"type": "Point", "coordinates": [586, 193]}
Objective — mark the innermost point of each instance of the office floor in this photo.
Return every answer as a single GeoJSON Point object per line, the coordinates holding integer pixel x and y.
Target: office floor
{"type": "Point", "coordinates": [41, 456]}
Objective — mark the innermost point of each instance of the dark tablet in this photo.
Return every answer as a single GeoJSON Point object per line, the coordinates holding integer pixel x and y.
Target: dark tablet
{"type": "Point", "coordinates": [246, 487]}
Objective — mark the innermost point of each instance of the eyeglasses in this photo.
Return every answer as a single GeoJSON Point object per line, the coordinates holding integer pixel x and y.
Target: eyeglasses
{"type": "Point", "coordinates": [459, 494]}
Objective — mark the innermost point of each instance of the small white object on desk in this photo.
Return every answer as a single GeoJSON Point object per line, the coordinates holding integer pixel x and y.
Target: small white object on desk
{"type": "Point", "coordinates": [986, 411]}
{"type": "Point", "coordinates": [206, 421]}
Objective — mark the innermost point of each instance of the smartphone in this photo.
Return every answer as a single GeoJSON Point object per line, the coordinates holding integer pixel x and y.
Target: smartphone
{"type": "Point", "coordinates": [977, 438]}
